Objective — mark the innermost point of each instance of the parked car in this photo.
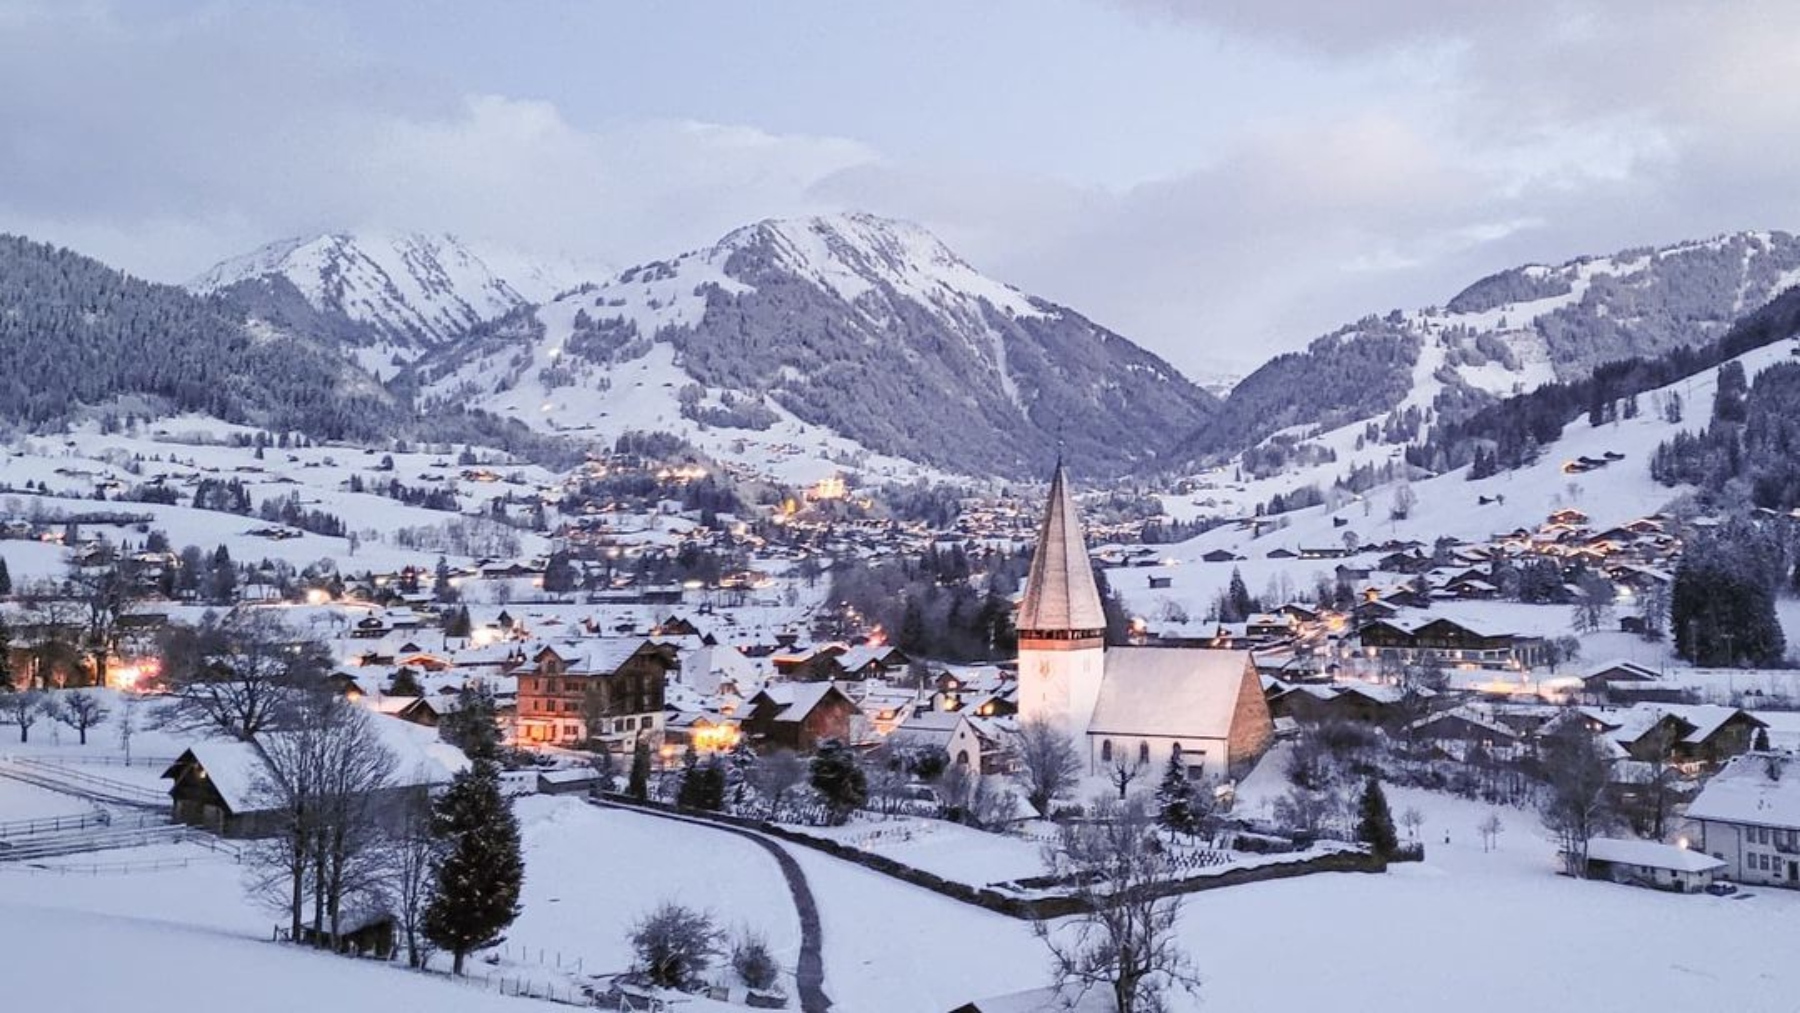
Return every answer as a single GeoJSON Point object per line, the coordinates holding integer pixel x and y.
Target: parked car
{"type": "Point", "coordinates": [1721, 888]}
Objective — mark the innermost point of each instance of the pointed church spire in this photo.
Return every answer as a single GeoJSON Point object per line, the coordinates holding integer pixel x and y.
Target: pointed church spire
{"type": "Point", "coordinates": [1060, 595]}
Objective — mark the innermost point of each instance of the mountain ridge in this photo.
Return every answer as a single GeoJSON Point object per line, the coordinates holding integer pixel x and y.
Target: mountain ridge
{"type": "Point", "coordinates": [1509, 332]}
{"type": "Point", "coordinates": [859, 326]}
{"type": "Point", "coordinates": [390, 296]}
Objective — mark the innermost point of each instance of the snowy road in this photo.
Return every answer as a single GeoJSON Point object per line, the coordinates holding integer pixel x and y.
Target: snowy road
{"type": "Point", "coordinates": [809, 973]}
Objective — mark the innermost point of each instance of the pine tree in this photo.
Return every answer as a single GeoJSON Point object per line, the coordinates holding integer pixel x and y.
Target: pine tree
{"type": "Point", "coordinates": [638, 784]}
{"type": "Point", "coordinates": [5, 579]}
{"type": "Point", "coordinates": [458, 624]}
{"type": "Point", "coordinates": [1175, 798]}
{"type": "Point", "coordinates": [477, 882]}
{"type": "Point", "coordinates": [1375, 822]}
{"type": "Point", "coordinates": [474, 725]}
{"type": "Point", "coordinates": [441, 586]}
{"type": "Point", "coordinates": [406, 683]}
{"type": "Point", "coordinates": [839, 779]}
{"type": "Point", "coordinates": [1237, 595]}
{"type": "Point", "coordinates": [1761, 743]}
{"type": "Point", "coordinates": [703, 786]}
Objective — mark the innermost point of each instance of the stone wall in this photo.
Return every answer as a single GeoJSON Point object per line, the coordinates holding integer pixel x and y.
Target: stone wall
{"type": "Point", "coordinates": [1040, 903]}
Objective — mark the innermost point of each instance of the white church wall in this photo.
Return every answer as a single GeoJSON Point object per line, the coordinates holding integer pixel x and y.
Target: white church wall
{"type": "Point", "coordinates": [1211, 755]}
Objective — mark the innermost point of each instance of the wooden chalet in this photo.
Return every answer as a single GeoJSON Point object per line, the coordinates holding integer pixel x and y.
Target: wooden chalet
{"type": "Point", "coordinates": [799, 716]}
{"type": "Point", "coordinates": [601, 688]}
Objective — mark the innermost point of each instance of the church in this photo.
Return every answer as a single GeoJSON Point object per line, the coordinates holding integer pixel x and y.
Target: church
{"type": "Point", "coordinates": [1126, 704]}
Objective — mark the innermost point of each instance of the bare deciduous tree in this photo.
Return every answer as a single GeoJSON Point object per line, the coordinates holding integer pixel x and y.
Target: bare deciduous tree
{"type": "Point", "coordinates": [323, 776]}
{"type": "Point", "coordinates": [104, 587]}
{"type": "Point", "coordinates": [1491, 829]}
{"type": "Point", "coordinates": [240, 675]}
{"type": "Point", "coordinates": [22, 708]}
{"type": "Point", "coordinates": [971, 798]}
{"type": "Point", "coordinates": [1048, 764]}
{"type": "Point", "coordinates": [1309, 812]}
{"type": "Point", "coordinates": [1121, 772]}
{"type": "Point", "coordinates": [1412, 819]}
{"type": "Point", "coordinates": [80, 710]}
{"type": "Point", "coordinates": [1577, 805]}
{"type": "Point", "coordinates": [410, 856]}
{"type": "Point", "coordinates": [1124, 939]}
{"type": "Point", "coordinates": [127, 725]}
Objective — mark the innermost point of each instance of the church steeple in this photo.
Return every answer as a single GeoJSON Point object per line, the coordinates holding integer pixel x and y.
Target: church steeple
{"type": "Point", "coordinates": [1061, 600]}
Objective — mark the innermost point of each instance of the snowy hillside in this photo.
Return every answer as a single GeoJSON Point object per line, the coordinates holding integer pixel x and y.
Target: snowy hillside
{"type": "Point", "coordinates": [843, 334]}
{"type": "Point", "coordinates": [1447, 504]}
{"type": "Point", "coordinates": [407, 291]}
{"type": "Point", "coordinates": [1506, 334]}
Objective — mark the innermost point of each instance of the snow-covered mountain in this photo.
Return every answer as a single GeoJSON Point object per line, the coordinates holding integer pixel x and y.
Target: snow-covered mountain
{"type": "Point", "coordinates": [832, 336]}
{"type": "Point", "coordinates": [391, 296]}
{"type": "Point", "coordinates": [1505, 334]}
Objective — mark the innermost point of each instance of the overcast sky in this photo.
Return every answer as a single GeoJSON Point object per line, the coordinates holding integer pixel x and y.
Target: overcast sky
{"type": "Point", "coordinates": [1218, 181]}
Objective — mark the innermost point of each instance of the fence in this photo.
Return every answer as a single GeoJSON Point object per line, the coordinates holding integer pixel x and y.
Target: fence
{"type": "Point", "coordinates": [540, 956]}
{"type": "Point", "coordinates": [56, 824]}
{"type": "Point", "coordinates": [100, 868]}
{"type": "Point", "coordinates": [74, 782]}
{"type": "Point", "coordinates": [1047, 903]}
{"type": "Point", "coordinates": [96, 760]}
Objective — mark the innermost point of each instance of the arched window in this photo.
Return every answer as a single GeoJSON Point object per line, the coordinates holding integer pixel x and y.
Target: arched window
{"type": "Point", "coordinates": [1105, 750]}
{"type": "Point", "coordinates": [1143, 752]}
{"type": "Point", "coordinates": [1177, 750]}
{"type": "Point", "coordinates": [962, 757]}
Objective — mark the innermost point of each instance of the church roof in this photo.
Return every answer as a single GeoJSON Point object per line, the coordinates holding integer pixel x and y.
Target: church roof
{"type": "Point", "coordinates": [1060, 593]}
{"type": "Point", "coordinates": [1180, 692]}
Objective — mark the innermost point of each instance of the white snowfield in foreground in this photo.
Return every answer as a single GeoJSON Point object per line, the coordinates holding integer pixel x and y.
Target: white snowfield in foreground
{"type": "Point", "coordinates": [1466, 930]}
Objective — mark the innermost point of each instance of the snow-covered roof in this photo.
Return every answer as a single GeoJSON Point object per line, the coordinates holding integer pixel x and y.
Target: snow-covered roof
{"type": "Point", "coordinates": [929, 728]}
{"type": "Point", "coordinates": [1652, 855]}
{"type": "Point", "coordinates": [1627, 669]}
{"type": "Point", "coordinates": [1473, 717]}
{"type": "Point", "coordinates": [1743, 792]}
{"type": "Point", "coordinates": [597, 655]}
{"type": "Point", "coordinates": [797, 699]}
{"type": "Point", "coordinates": [1170, 691]}
{"type": "Point", "coordinates": [233, 768]}
{"type": "Point", "coordinates": [1628, 724]}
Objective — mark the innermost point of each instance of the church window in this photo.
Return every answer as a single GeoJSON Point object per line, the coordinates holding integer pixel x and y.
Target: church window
{"type": "Point", "coordinates": [962, 757]}
{"type": "Point", "coordinates": [1143, 752]}
{"type": "Point", "coordinates": [1106, 751]}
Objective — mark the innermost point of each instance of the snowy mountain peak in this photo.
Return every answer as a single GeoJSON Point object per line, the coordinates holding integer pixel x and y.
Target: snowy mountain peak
{"type": "Point", "coordinates": [854, 253]}
{"type": "Point", "coordinates": [412, 290]}
{"type": "Point", "coordinates": [851, 335]}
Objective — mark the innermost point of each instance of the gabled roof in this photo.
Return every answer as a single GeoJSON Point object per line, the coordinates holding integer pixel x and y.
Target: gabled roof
{"type": "Point", "coordinates": [596, 655]}
{"type": "Point", "coordinates": [1171, 691]}
{"type": "Point", "coordinates": [233, 768]}
{"type": "Point", "coordinates": [1743, 792]}
{"type": "Point", "coordinates": [1060, 593]}
{"type": "Point", "coordinates": [793, 701]}
{"type": "Point", "coordinates": [1651, 855]}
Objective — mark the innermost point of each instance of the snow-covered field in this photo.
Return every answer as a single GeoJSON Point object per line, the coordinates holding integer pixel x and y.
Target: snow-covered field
{"type": "Point", "coordinates": [1466, 930]}
{"type": "Point", "coordinates": [946, 849]}
{"type": "Point", "coordinates": [185, 449]}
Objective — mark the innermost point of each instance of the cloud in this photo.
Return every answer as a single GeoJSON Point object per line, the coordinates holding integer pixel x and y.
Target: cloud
{"type": "Point", "coordinates": [164, 146]}
{"type": "Point", "coordinates": [1458, 139]}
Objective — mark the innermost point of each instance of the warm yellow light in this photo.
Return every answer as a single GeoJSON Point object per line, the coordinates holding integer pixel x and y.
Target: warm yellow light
{"type": "Point", "coordinates": [318, 596]}
{"type": "Point", "coordinates": [124, 677]}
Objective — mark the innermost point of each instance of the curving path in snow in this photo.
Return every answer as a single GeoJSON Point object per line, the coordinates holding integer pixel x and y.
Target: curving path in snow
{"type": "Point", "coordinates": [809, 970]}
